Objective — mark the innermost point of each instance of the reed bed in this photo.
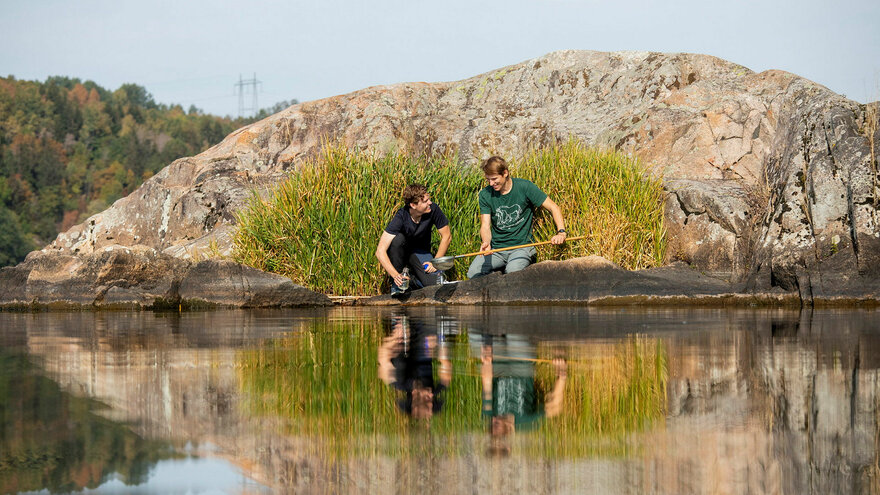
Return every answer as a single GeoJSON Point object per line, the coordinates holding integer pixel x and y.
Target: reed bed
{"type": "Point", "coordinates": [323, 383]}
{"type": "Point", "coordinates": [321, 225]}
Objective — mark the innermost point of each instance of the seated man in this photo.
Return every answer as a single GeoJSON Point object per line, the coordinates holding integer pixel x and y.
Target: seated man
{"type": "Point", "coordinates": [406, 241]}
{"type": "Point", "coordinates": [506, 213]}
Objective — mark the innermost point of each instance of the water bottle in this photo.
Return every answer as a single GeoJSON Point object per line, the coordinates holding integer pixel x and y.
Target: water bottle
{"type": "Point", "coordinates": [405, 276]}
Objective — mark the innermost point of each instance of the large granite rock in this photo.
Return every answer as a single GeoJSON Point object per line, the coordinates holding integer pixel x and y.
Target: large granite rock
{"type": "Point", "coordinates": [771, 178]}
{"type": "Point", "coordinates": [142, 278]}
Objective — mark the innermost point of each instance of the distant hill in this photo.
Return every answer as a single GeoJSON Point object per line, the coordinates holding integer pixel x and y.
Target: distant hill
{"type": "Point", "coordinates": [69, 149]}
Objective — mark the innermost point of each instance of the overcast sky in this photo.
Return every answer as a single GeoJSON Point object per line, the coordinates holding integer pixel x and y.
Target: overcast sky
{"type": "Point", "coordinates": [193, 52]}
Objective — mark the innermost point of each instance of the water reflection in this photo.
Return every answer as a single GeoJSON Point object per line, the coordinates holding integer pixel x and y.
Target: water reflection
{"type": "Point", "coordinates": [510, 399]}
{"type": "Point", "coordinates": [613, 400]}
{"type": "Point", "coordinates": [406, 362]}
{"type": "Point", "coordinates": [53, 440]}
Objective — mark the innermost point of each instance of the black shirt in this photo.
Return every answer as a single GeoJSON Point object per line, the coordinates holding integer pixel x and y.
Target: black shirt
{"type": "Point", "coordinates": [418, 235]}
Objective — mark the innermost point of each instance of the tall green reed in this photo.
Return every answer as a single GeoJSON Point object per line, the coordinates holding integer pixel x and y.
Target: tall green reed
{"type": "Point", "coordinates": [321, 225]}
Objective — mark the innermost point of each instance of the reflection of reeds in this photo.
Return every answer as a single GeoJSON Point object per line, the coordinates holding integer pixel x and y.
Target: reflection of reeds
{"type": "Point", "coordinates": [320, 227]}
{"type": "Point", "coordinates": [324, 383]}
{"type": "Point", "coordinates": [612, 390]}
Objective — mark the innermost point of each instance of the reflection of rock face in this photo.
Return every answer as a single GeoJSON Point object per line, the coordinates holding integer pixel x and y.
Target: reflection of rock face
{"type": "Point", "coordinates": [817, 397]}
{"type": "Point", "coordinates": [759, 402]}
{"type": "Point", "coordinates": [768, 174]}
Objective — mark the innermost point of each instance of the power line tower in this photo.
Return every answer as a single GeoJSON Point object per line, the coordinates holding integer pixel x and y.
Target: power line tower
{"type": "Point", "coordinates": [241, 88]}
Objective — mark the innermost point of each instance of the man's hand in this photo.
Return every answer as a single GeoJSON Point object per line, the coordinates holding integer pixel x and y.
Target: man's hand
{"type": "Point", "coordinates": [558, 238]}
{"type": "Point", "coordinates": [485, 246]}
{"type": "Point", "coordinates": [398, 279]}
{"type": "Point", "coordinates": [429, 267]}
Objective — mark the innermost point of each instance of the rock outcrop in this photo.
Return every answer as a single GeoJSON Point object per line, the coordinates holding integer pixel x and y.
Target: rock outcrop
{"type": "Point", "coordinates": [142, 278]}
{"type": "Point", "coordinates": [771, 179]}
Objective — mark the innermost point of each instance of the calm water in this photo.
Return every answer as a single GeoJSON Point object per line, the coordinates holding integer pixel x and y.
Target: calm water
{"type": "Point", "coordinates": [451, 400]}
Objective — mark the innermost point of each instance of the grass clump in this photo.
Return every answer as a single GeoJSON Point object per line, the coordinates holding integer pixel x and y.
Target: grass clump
{"type": "Point", "coordinates": [321, 225]}
{"type": "Point", "coordinates": [603, 194]}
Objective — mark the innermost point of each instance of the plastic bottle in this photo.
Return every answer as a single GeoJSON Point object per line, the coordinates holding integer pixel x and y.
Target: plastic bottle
{"type": "Point", "coordinates": [405, 276]}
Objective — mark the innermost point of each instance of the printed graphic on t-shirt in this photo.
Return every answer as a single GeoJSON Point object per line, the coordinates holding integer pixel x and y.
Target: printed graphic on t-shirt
{"type": "Point", "coordinates": [509, 216]}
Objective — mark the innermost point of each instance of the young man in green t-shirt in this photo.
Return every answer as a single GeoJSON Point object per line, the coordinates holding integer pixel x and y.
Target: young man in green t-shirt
{"type": "Point", "coordinates": [506, 214]}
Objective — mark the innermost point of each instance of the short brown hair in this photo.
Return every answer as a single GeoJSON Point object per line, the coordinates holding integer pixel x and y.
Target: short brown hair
{"type": "Point", "coordinates": [413, 193]}
{"type": "Point", "coordinates": [494, 165]}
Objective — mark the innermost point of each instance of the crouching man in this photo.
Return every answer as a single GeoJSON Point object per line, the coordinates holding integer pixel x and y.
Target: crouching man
{"type": "Point", "coordinates": [406, 241]}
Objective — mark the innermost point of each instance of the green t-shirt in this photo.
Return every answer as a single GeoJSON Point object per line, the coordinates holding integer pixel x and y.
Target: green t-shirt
{"type": "Point", "coordinates": [512, 213]}
{"type": "Point", "coordinates": [514, 395]}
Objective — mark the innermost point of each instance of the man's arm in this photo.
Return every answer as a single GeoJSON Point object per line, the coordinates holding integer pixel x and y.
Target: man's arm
{"type": "Point", "coordinates": [384, 260]}
{"type": "Point", "coordinates": [553, 400]}
{"type": "Point", "coordinates": [556, 212]}
{"type": "Point", "coordinates": [485, 231]}
{"type": "Point", "coordinates": [445, 372]}
{"type": "Point", "coordinates": [445, 239]}
{"type": "Point", "coordinates": [390, 345]}
{"type": "Point", "coordinates": [486, 375]}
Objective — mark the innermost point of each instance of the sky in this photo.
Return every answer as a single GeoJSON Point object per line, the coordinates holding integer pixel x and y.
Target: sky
{"type": "Point", "coordinates": [194, 52]}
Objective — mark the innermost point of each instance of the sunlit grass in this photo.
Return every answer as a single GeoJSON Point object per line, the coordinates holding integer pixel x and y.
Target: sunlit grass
{"type": "Point", "coordinates": [321, 225]}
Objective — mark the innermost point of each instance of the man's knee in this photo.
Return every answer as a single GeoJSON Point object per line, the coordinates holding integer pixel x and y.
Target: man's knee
{"type": "Point", "coordinates": [480, 266]}
{"type": "Point", "coordinates": [517, 265]}
{"type": "Point", "coordinates": [520, 260]}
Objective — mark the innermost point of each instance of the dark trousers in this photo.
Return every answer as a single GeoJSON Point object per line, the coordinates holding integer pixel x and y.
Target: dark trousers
{"type": "Point", "coordinates": [401, 256]}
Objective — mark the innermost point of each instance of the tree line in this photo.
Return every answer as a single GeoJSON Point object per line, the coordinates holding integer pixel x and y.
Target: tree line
{"type": "Point", "coordinates": [69, 149]}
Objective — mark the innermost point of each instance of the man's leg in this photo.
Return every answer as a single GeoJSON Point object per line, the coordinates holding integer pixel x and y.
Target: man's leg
{"type": "Point", "coordinates": [416, 260]}
{"type": "Point", "coordinates": [484, 265]}
{"type": "Point", "coordinates": [397, 255]}
{"type": "Point", "coordinates": [518, 259]}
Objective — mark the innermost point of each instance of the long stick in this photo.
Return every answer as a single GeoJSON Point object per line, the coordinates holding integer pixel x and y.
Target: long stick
{"type": "Point", "coordinates": [490, 251]}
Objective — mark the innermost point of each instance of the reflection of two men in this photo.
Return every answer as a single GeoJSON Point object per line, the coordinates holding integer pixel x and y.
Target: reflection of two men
{"type": "Point", "coordinates": [511, 400]}
{"type": "Point", "coordinates": [406, 362]}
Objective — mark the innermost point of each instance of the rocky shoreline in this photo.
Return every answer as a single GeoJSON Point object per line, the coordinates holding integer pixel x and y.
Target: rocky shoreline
{"type": "Point", "coordinates": [595, 281]}
{"type": "Point", "coordinates": [143, 279]}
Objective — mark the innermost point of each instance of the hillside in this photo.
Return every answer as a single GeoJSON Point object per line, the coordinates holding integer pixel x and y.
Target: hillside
{"type": "Point", "coordinates": [69, 149]}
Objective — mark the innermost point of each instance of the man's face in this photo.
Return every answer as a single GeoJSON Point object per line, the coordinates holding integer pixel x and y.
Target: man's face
{"type": "Point", "coordinates": [423, 206]}
{"type": "Point", "coordinates": [502, 425]}
{"type": "Point", "coordinates": [422, 402]}
{"type": "Point", "coordinates": [497, 181]}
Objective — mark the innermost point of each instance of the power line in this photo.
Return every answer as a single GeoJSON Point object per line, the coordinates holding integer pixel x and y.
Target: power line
{"type": "Point", "coordinates": [240, 89]}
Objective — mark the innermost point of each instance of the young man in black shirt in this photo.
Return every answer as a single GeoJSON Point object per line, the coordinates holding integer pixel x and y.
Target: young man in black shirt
{"type": "Point", "coordinates": [406, 241]}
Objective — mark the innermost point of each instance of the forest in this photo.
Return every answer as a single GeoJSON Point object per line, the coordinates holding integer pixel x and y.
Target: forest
{"type": "Point", "coordinates": [70, 148]}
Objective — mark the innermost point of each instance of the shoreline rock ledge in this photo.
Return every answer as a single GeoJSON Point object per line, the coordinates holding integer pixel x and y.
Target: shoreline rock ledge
{"type": "Point", "coordinates": [593, 280]}
{"type": "Point", "coordinates": [772, 181]}
{"type": "Point", "coordinates": [142, 278]}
